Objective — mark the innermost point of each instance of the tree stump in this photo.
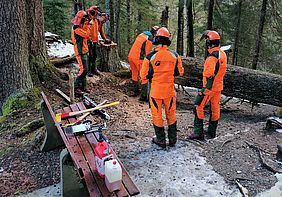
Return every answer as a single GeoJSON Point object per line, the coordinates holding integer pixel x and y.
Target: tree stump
{"type": "Point", "coordinates": [108, 58]}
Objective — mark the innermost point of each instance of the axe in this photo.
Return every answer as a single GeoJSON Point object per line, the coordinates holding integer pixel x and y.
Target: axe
{"type": "Point", "coordinates": [79, 119]}
{"type": "Point", "coordinates": [61, 116]}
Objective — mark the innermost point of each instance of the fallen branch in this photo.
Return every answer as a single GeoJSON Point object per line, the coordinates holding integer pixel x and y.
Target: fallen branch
{"type": "Point", "coordinates": [226, 101]}
{"type": "Point", "coordinates": [225, 142]}
{"type": "Point", "coordinates": [243, 190]}
{"type": "Point", "coordinates": [59, 62]}
{"type": "Point", "coordinates": [263, 160]}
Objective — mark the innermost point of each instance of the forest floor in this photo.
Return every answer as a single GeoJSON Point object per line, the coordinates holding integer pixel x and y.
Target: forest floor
{"type": "Point", "coordinates": [191, 168]}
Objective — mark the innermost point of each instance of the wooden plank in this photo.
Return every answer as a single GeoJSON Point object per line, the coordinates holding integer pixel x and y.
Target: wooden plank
{"type": "Point", "coordinates": [89, 157]}
{"type": "Point", "coordinates": [92, 186]}
{"type": "Point", "coordinates": [122, 191]}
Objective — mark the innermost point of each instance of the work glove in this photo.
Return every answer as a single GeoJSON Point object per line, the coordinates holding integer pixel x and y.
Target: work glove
{"type": "Point", "coordinates": [107, 41]}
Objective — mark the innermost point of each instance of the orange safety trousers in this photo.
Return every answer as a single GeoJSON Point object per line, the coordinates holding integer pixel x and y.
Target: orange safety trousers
{"type": "Point", "coordinates": [156, 110]}
{"type": "Point", "coordinates": [135, 66]}
{"type": "Point", "coordinates": [214, 99]}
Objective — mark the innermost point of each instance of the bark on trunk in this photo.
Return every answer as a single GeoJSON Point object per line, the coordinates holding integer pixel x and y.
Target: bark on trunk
{"type": "Point", "coordinates": [23, 57]}
{"type": "Point", "coordinates": [112, 17]}
{"type": "Point", "coordinates": [117, 31]}
{"type": "Point", "coordinates": [109, 60]}
{"type": "Point", "coordinates": [128, 21]}
{"type": "Point", "coordinates": [190, 33]}
{"type": "Point", "coordinates": [210, 15]}
{"type": "Point", "coordinates": [164, 20]}
{"type": "Point", "coordinates": [14, 53]}
{"type": "Point", "coordinates": [235, 52]}
{"type": "Point", "coordinates": [259, 37]}
{"type": "Point", "coordinates": [255, 86]}
{"type": "Point", "coordinates": [179, 47]}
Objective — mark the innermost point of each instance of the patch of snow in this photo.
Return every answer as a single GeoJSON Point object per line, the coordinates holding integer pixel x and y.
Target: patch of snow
{"type": "Point", "coordinates": [60, 49]}
{"type": "Point", "coordinates": [177, 172]}
{"type": "Point", "coordinates": [125, 65]}
{"type": "Point", "coordinates": [275, 191]}
{"type": "Point", "coordinates": [50, 34]}
{"type": "Point", "coordinates": [51, 191]}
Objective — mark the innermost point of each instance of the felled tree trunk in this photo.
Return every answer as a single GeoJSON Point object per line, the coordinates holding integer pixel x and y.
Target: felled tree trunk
{"type": "Point", "coordinates": [108, 58]}
{"type": "Point", "coordinates": [255, 86]}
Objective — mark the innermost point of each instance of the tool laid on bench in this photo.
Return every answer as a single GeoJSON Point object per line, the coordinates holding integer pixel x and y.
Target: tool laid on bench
{"type": "Point", "coordinates": [61, 116]}
{"type": "Point", "coordinates": [79, 119]}
{"type": "Point", "coordinates": [90, 103]}
{"type": "Point", "coordinates": [84, 128]}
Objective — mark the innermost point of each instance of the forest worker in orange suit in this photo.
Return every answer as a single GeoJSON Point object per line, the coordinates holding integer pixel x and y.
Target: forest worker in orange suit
{"type": "Point", "coordinates": [160, 67]}
{"type": "Point", "coordinates": [93, 11]}
{"type": "Point", "coordinates": [140, 48]}
{"type": "Point", "coordinates": [213, 74]}
{"type": "Point", "coordinates": [80, 33]}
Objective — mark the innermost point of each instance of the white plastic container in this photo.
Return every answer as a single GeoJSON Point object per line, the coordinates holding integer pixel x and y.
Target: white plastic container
{"type": "Point", "coordinates": [113, 175]}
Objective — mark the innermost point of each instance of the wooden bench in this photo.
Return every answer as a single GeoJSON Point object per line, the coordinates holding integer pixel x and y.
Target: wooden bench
{"type": "Point", "coordinates": [79, 156]}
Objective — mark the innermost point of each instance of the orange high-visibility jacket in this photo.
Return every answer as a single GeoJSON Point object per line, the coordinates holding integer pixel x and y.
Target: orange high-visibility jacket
{"type": "Point", "coordinates": [214, 69]}
{"type": "Point", "coordinates": [79, 37]}
{"type": "Point", "coordinates": [94, 26]}
{"type": "Point", "coordinates": [141, 47]}
{"type": "Point", "coordinates": [160, 66]}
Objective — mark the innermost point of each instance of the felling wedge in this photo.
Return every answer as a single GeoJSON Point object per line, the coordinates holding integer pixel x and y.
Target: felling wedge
{"type": "Point", "coordinates": [61, 116]}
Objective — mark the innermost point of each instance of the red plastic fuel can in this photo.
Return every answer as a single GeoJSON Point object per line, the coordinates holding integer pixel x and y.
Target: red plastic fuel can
{"type": "Point", "coordinates": [102, 153]}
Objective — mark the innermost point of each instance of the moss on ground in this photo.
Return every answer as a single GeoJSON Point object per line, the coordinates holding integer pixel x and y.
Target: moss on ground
{"type": "Point", "coordinates": [30, 127]}
{"type": "Point", "coordinates": [21, 100]}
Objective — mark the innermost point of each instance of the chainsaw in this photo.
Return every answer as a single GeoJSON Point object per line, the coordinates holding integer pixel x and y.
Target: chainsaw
{"type": "Point", "coordinates": [85, 127]}
{"type": "Point", "coordinates": [90, 103]}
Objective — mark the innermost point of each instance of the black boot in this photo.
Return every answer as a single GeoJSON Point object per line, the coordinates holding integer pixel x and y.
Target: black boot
{"type": "Point", "coordinates": [211, 133]}
{"type": "Point", "coordinates": [198, 130]}
{"type": "Point", "coordinates": [144, 93]}
{"type": "Point", "coordinates": [160, 137]}
{"type": "Point", "coordinates": [136, 90]}
{"type": "Point", "coordinates": [172, 134]}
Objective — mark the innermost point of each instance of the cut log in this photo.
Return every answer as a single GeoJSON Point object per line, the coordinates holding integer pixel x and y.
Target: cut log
{"type": "Point", "coordinates": [108, 58]}
{"type": "Point", "coordinates": [60, 62]}
{"type": "Point", "coordinates": [253, 85]}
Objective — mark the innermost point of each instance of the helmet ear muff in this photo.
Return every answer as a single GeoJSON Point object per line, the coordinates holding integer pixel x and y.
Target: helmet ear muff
{"type": "Point", "coordinates": [161, 40]}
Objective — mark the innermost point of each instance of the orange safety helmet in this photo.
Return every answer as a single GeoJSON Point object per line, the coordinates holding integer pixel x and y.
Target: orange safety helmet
{"type": "Point", "coordinates": [212, 38]}
{"type": "Point", "coordinates": [163, 31]}
{"type": "Point", "coordinates": [94, 7]}
{"type": "Point", "coordinates": [79, 15]}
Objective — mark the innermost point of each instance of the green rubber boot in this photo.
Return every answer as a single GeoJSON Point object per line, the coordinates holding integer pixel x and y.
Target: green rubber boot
{"type": "Point", "coordinates": [160, 137]}
{"type": "Point", "coordinates": [198, 130]}
{"type": "Point", "coordinates": [211, 133]}
{"type": "Point", "coordinates": [172, 134]}
{"type": "Point", "coordinates": [136, 88]}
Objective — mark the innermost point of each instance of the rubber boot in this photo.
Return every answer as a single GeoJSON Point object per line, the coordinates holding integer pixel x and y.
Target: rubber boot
{"type": "Point", "coordinates": [136, 90]}
{"type": "Point", "coordinates": [172, 134]}
{"type": "Point", "coordinates": [144, 93]}
{"type": "Point", "coordinates": [160, 137]}
{"type": "Point", "coordinates": [198, 129]}
{"type": "Point", "coordinates": [211, 133]}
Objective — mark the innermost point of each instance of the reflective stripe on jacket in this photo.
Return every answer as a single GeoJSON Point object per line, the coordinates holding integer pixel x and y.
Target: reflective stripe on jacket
{"type": "Point", "coordinates": [141, 47]}
{"type": "Point", "coordinates": [160, 66]}
{"type": "Point", "coordinates": [214, 69]}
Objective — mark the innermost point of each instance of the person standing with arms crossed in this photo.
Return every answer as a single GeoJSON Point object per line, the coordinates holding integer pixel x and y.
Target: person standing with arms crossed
{"type": "Point", "coordinates": [214, 71]}
{"type": "Point", "coordinates": [160, 67]}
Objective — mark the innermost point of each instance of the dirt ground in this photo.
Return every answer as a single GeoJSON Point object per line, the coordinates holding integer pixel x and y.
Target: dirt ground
{"type": "Point", "coordinates": [207, 168]}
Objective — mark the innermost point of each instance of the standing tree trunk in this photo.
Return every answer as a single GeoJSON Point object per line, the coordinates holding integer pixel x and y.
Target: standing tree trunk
{"type": "Point", "coordinates": [112, 17]}
{"type": "Point", "coordinates": [179, 47]}
{"type": "Point", "coordinates": [190, 34]}
{"type": "Point", "coordinates": [210, 15]}
{"type": "Point", "coordinates": [164, 20]}
{"type": "Point", "coordinates": [14, 53]}
{"type": "Point", "coordinates": [235, 53]}
{"type": "Point", "coordinates": [259, 36]}
{"type": "Point", "coordinates": [117, 31]}
{"type": "Point", "coordinates": [128, 21]}
{"type": "Point", "coordinates": [23, 57]}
